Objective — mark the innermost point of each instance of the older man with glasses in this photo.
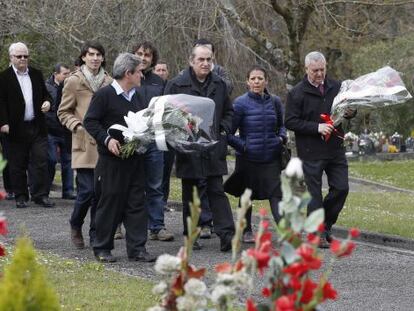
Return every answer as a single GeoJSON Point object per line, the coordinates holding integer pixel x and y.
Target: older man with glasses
{"type": "Point", "coordinates": [23, 102]}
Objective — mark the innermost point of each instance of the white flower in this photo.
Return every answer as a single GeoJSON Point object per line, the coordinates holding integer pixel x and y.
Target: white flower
{"type": "Point", "coordinates": [195, 287]}
{"type": "Point", "coordinates": [190, 303]}
{"type": "Point", "coordinates": [220, 292]}
{"type": "Point", "coordinates": [160, 288]}
{"type": "Point", "coordinates": [225, 278]}
{"type": "Point", "coordinates": [294, 168]}
{"type": "Point", "coordinates": [167, 264]}
{"type": "Point", "coordinates": [157, 308]}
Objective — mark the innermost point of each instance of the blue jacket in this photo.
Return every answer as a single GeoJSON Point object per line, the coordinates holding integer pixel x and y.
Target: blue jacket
{"type": "Point", "coordinates": [259, 120]}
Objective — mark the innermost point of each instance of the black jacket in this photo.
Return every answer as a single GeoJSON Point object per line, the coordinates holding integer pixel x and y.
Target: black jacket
{"type": "Point", "coordinates": [12, 104]}
{"type": "Point", "coordinates": [151, 85]}
{"type": "Point", "coordinates": [212, 162]}
{"type": "Point", "coordinates": [107, 109]}
{"type": "Point", "coordinates": [303, 109]}
{"type": "Point", "coordinates": [54, 127]}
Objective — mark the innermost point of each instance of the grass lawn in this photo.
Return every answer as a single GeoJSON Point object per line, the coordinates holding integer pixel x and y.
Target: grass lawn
{"type": "Point", "coordinates": [383, 212]}
{"type": "Point", "coordinates": [395, 173]}
{"type": "Point", "coordinates": [89, 286]}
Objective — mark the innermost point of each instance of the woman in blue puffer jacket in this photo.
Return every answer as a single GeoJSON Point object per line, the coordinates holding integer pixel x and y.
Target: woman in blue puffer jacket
{"type": "Point", "coordinates": [259, 118]}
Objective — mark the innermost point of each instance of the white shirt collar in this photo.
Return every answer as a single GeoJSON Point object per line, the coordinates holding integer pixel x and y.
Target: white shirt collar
{"type": "Point", "coordinates": [20, 73]}
{"type": "Point", "coordinates": [119, 90]}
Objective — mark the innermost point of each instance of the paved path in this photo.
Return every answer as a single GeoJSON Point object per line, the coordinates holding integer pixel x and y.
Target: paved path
{"type": "Point", "coordinates": [374, 278]}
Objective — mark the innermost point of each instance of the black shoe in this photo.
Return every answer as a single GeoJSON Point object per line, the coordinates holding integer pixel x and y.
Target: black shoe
{"type": "Point", "coordinates": [10, 196]}
{"type": "Point", "coordinates": [225, 242]}
{"type": "Point", "coordinates": [104, 256]}
{"type": "Point", "coordinates": [328, 236]}
{"type": "Point", "coordinates": [45, 202]}
{"type": "Point", "coordinates": [142, 256]}
{"type": "Point", "coordinates": [22, 204]}
{"type": "Point", "coordinates": [69, 196]}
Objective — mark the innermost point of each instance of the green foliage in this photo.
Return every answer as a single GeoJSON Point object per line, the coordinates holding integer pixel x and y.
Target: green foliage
{"type": "Point", "coordinates": [24, 286]}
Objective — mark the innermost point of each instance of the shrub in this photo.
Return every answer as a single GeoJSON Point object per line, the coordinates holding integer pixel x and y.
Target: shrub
{"type": "Point", "coordinates": [24, 286]}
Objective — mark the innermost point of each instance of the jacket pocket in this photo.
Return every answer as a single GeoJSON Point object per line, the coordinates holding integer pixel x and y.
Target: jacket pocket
{"type": "Point", "coordinates": [79, 140]}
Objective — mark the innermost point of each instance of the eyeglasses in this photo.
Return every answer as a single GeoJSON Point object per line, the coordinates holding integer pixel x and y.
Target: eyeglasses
{"type": "Point", "coordinates": [21, 56]}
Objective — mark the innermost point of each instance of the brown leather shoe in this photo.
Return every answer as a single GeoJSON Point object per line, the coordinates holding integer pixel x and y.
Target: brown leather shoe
{"type": "Point", "coordinates": [77, 238]}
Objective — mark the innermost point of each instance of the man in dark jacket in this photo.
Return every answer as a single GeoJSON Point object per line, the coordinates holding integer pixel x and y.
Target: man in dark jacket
{"type": "Point", "coordinates": [23, 102]}
{"type": "Point", "coordinates": [58, 136]}
{"type": "Point", "coordinates": [119, 183]}
{"type": "Point", "coordinates": [151, 86]}
{"type": "Point", "coordinates": [198, 80]}
{"type": "Point", "coordinates": [306, 102]}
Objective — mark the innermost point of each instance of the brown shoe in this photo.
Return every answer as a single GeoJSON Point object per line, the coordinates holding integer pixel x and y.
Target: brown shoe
{"type": "Point", "coordinates": [118, 233]}
{"type": "Point", "coordinates": [162, 235]}
{"type": "Point", "coordinates": [77, 238]}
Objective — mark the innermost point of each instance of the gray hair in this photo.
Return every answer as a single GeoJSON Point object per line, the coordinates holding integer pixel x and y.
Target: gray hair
{"type": "Point", "coordinates": [314, 56]}
{"type": "Point", "coordinates": [15, 46]}
{"type": "Point", "coordinates": [123, 63]}
{"type": "Point", "coordinates": [207, 46]}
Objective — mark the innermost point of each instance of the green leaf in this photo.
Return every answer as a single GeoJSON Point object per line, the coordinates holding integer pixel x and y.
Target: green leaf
{"type": "Point", "coordinates": [289, 253]}
{"type": "Point", "coordinates": [314, 220]}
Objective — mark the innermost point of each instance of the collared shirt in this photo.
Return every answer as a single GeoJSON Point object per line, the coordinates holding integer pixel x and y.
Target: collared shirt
{"type": "Point", "coordinates": [27, 90]}
{"type": "Point", "coordinates": [119, 91]}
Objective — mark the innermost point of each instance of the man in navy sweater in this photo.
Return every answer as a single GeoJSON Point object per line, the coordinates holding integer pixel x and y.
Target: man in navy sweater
{"type": "Point", "coordinates": [119, 183]}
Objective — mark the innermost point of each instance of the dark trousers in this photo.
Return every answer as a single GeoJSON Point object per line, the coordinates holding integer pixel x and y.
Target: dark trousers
{"type": "Point", "coordinates": [6, 171]}
{"type": "Point", "coordinates": [55, 142]}
{"type": "Point", "coordinates": [336, 170]}
{"type": "Point", "coordinates": [206, 217]}
{"type": "Point", "coordinates": [218, 202]}
{"type": "Point", "coordinates": [120, 187]}
{"type": "Point", "coordinates": [33, 149]}
{"type": "Point", "coordinates": [85, 198]}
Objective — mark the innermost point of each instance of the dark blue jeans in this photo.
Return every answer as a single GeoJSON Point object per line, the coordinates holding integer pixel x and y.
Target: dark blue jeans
{"type": "Point", "coordinates": [55, 142]}
{"type": "Point", "coordinates": [154, 167]}
{"type": "Point", "coordinates": [85, 198]}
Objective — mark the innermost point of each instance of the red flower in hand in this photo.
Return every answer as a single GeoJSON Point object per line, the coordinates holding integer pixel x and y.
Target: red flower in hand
{"type": "Point", "coordinates": [266, 292]}
{"type": "Point", "coordinates": [3, 226]}
{"type": "Point", "coordinates": [328, 292]}
{"type": "Point", "coordinates": [285, 303]}
{"type": "Point", "coordinates": [296, 269]}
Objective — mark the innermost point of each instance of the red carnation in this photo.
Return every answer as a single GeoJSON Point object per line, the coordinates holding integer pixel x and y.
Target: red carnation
{"type": "Point", "coordinates": [329, 292]}
{"type": "Point", "coordinates": [296, 269]}
{"type": "Point", "coordinates": [285, 303]}
{"type": "Point", "coordinates": [3, 195]}
{"type": "Point", "coordinates": [354, 232]}
{"type": "Point", "coordinates": [308, 290]}
{"type": "Point", "coordinates": [250, 305]}
{"type": "Point", "coordinates": [2, 251]}
{"type": "Point", "coordinates": [3, 226]}
{"type": "Point", "coordinates": [266, 292]}
{"type": "Point", "coordinates": [261, 258]}
{"type": "Point", "coordinates": [321, 227]}
{"type": "Point", "coordinates": [313, 238]}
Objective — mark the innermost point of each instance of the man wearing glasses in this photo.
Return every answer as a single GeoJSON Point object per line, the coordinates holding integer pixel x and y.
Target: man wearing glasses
{"type": "Point", "coordinates": [23, 102]}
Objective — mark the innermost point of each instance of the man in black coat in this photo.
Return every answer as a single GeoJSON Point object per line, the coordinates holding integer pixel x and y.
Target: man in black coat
{"type": "Point", "coordinates": [58, 135]}
{"type": "Point", "coordinates": [198, 80]}
{"type": "Point", "coordinates": [23, 102]}
{"type": "Point", "coordinates": [119, 183]}
{"type": "Point", "coordinates": [306, 102]}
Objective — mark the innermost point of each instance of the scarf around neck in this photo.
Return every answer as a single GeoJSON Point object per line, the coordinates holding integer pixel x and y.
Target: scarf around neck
{"type": "Point", "coordinates": [95, 81]}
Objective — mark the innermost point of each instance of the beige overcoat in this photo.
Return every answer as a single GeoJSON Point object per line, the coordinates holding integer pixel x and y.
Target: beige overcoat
{"type": "Point", "coordinates": [76, 97]}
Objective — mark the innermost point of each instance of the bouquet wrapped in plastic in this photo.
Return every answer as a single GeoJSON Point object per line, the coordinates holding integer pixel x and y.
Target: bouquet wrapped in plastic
{"type": "Point", "coordinates": [377, 89]}
{"type": "Point", "coordinates": [181, 121]}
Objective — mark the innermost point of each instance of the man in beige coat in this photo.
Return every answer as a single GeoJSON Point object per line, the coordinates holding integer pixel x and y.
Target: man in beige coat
{"type": "Point", "coordinates": [76, 97]}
